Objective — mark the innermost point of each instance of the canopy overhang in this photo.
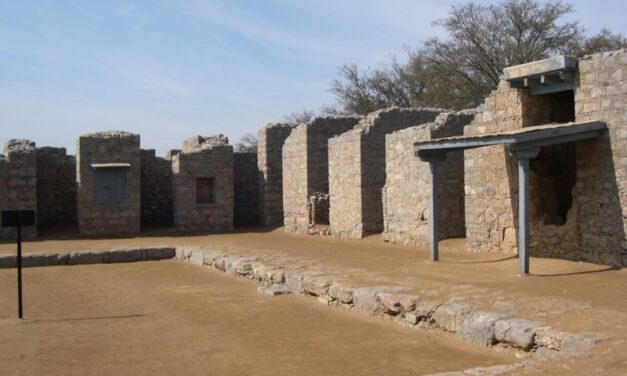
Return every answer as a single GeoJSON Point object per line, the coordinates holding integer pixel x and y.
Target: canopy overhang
{"type": "Point", "coordinates": [546, 76]}
{"type": "Point", "coordinates": [523, 144]}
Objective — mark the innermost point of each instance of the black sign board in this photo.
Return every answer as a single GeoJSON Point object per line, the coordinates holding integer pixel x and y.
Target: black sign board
{"type": "Point", "coordinates": [15, 218]}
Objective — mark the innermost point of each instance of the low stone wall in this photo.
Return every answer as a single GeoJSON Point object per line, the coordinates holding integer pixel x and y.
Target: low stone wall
{"type": "Point", "coordinates": [470, 324]}
{"type": "Point", "coordinates": [270, 166]}
{"type": "Point", "coordinates": [89, 257]}
{"type": "Point", "coordinates": [305, 167]}
{"type": "Point", "coordinates": [18, 182]}
{"type": "Point", "coordinates": [246, 189]}
{"type": "Point", "coordinates": [156, 189]}
{"type": "Point", "coordinates": [56, 187]}
{"type": "Point", "coordinates": [108, 148]}
{"type": "Point", "coordinates": [357, 170]}
{"type": "Point", "coordinates": [203, 157]}
{"type": "Point", "coordinates": [407, 190]}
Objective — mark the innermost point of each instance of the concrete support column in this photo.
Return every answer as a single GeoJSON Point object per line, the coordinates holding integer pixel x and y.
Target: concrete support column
{"type": "Point", "coordinates": [433, 160]}
{"type": "Point", "coordinates": [523, 207]}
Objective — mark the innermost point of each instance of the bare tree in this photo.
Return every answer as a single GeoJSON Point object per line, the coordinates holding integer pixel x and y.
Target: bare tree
{"type": "Point", "coordinates": [247, 144]}
{"type": "Point", "coordinates": [460, 70]}
{"type": "Point", "coordinates": [300, 117]}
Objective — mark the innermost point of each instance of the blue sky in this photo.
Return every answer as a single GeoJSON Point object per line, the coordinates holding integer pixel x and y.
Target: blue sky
{"type": "Point", "coordinates": [173, 69]}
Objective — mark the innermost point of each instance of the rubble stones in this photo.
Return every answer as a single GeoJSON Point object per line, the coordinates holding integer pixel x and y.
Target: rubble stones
{"type": "Point", "coordinates": [341, 293]}
{"type": "Point", "coordinates": [478, 327]}
{"type": "Point", "coordinates": [316, 285]}
{"type": "Point", "coordinates": [519, 333]}
{"type": "Point", "coordinates": [273, 289]}
{"type": "Point", "coordinates": [450, 315]}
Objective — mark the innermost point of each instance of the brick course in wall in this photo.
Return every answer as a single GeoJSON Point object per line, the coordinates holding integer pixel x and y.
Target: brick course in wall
{"type": "Point", "coordinates": [357, 170]}
{"type": "Point", "coordinates": [305, 168]}
{"type": "Point", "coordinates": [18, 182]}
{"type": "Point", "coordinates": [270, 158]}
{"type": "Point", "coordinates": [407, 191]}
{"type": "Point", "coordinates": [56, 187]}
{"type": "Point", "coordinates": [203, 157]}
{"type": "Point", "coordinates": [246, 189]}
{"type": "Point", "coordinates": [156, 189]}
{"type": "Point", "coordinates": [108, 148]}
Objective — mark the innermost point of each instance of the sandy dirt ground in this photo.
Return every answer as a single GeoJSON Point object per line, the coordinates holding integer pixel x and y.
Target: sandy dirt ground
{"type": "Point", "coordinates": [573, 296]}
{"type": "Point", "coordinates": [171, 318]}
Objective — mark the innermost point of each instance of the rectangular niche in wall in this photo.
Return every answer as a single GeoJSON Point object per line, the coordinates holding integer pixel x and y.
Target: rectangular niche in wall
{"type": "Point", "coordinates": [205, 190]}
{"type": "Point", "coordinates": [110, 184]}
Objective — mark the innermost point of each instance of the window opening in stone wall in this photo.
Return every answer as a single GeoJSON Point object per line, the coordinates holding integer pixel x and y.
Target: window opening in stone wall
{"type": "Point", "coordinates": [556, 107]}
{"type": "Point", "coordinates": [205, 190]}
{"type": "Point", "coordinates": [110, 186]}
{"type": "Point", "coordinates": [555, 175]}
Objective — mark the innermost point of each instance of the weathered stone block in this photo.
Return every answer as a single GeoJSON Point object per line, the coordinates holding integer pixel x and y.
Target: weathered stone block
{"type": "Point", "coordinates": [519, 333]}
{"type": "Point", "coordinates": [479, 327]}
{"type": "Point", "coordinates": [450, 315]}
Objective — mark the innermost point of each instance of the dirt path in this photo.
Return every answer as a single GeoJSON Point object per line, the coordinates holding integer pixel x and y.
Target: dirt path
{"type": "Point", "coordinates": [173, 318]}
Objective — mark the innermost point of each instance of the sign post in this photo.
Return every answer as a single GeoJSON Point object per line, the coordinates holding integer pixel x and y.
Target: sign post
{"type": "Point", "coordinates": [17, 219]}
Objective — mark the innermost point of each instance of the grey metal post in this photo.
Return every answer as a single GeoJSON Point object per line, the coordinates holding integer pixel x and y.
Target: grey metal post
{"type": "Point", "coordinates": [433, 208]}
{"type": "Point", "coordinates": [523, 215]}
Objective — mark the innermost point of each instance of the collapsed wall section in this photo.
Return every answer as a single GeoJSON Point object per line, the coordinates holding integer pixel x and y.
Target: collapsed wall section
{"type": "Point", "coordinates": [407, 190]}
{"type": "Point", "coordinates": [246, 211]}
{"type": "Point", "coordinates": [18, 182]}
{"type": "Point", "coordinates": [203, 186]}
{"type": "Point", "coordinates": [306, 172]}
{"type": "Point", "coordinates": [270, 159]}
{"type": "Point", "coordinates": [357, 170]}
{"type": "Point", "coordinates": [156, 189]}
{"type": "Point", "coordinates": [56, 187]}
{"type": "Point", "coordinates": [108, 172]}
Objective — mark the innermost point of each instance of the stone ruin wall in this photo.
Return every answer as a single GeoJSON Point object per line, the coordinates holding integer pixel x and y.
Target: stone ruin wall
{"type": "Point", "coordinates": [203, 157]}
{"type": "Point", "coordinates": [108, 147]}
{"type": "Point", "coordinates": [357, 170]}
{"type": "Point", "coordinates": [306, 171]}
{"type": "Point", "coordinates": [595, 224]}
{"type": "Point", "coordinates": [156, 189]}
{"type": "Point", "coordinates": [18, 183]}
{"type": "Point", "coordinates": [407, 191]}
{"type": "Point", "coordinates": [601, 189]}
{"type": "Point", "coordinates": [491, 175]}
{"type": "Point", "coordinates": [269, 163]}
{"type": "Point", "coordinates": [56, 187]}
{"type": "Point", "coordinates": [246, 211]}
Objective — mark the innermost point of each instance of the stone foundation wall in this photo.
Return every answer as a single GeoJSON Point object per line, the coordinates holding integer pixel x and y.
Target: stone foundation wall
{"type": "Point", "coordinates": [156, 189]}
{"type": "Point", "coordinates": [305, 167]}
{"type": "Point", "coordinates": [246, 189]}
{"type": "Point", "coordinates": [357, 170]}
{"type": "Point", "coordinates": [18, 182]}
{"type": "Point", "coordinates": [106, 148]}
{"type": "Point", "coordinates": [203, 157]}
{"type": "Point", "coordinates": [407, 191]}
{"type": "Point", "coordinates": [56, 187]}
{"type": "Point", "coordinates": [601, 189]}
{"type": "Point", "coordinates": [270, 159]}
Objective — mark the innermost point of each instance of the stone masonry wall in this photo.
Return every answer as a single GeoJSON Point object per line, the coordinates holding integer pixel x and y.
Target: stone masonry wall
{"type": "Point", "coordinates": [357, 170]}
{"type": "Point", "coordinates": [108, 147]}
{"type": "Point", "coordinates": [305, 167]}
{"type": "Point", "coordinates": [601, 189]}
{"type": "Point", "coordinates": [407, 191]}
{"type": "Point", "coordinates": [246, 189]}
{"type": "Point", "coordinates": [18, 182]}
{"type": "Point", "coordinates": [203, 157]}
{"type": "Point", "coordinates": [269, 162]}
{"type": "Point", "coordinates": [56, 187]}
{"type": "Point", "coordinates": [156, 189]}
{"type": "Point", "coordinates": [491, 177]}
